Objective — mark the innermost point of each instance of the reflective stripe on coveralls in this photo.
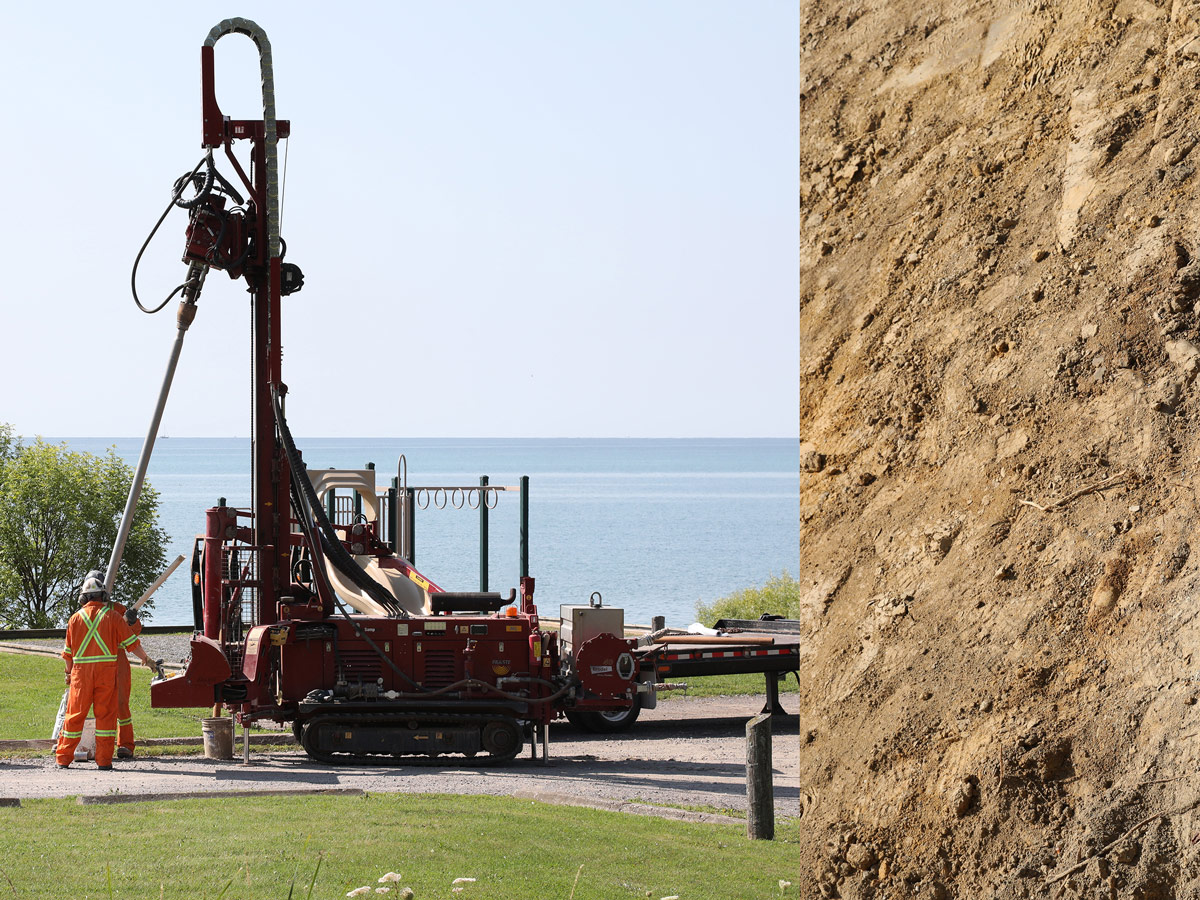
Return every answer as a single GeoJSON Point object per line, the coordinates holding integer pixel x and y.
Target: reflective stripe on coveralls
{"type": "Point", "coordinates": [93, 686]}
{"type": "Point", "coordinates": [93, 633]}
{"type": "Point", "coordinates": [125, 736]}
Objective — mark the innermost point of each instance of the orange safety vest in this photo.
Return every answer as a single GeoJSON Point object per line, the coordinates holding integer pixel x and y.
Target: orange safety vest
{"type": "Point", "coordinates": [93, 636]}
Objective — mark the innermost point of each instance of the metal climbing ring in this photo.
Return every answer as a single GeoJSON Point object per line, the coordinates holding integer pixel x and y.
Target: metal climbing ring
{"type": "Point", "coordinates": [491, 498]}
{"type": "Point", "coordinates": [439, 493]}
{"type": "Point", "coordinates": [422, 498]}
{"type": "Point", "coordinates": [457, 498]}
{"type": "Point", "coordinates": [473, 497]}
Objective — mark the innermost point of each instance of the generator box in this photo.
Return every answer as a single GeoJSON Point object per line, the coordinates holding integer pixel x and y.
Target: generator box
{"type": "Point", "coordinates": [582, 623]}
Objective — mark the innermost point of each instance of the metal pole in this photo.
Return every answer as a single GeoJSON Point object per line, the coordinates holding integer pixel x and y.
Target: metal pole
{"type": "Point", "coordinates": [483, 534]}
{"type": "Point", "coordinates": [187, 312]}
{"type": "Point", "coordinates": [524, 526]}
{"type": "Point", "coordinates": [392, 538]}
{"type": "Point", "coordinates": [331, 505]}
{"type": "Point", "coordinates": [410, 534]}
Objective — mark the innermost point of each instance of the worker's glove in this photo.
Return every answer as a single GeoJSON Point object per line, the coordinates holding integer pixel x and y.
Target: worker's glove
{"type": "Point", "coordinates": [131, 616]}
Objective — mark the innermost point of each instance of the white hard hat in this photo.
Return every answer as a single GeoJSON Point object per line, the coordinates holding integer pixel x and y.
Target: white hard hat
{"type": "Point", "coordinates": [93, 585]}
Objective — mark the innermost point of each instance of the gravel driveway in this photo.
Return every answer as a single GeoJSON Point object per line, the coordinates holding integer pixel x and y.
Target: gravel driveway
{"type": "Point", "coordinates": [685, 752]}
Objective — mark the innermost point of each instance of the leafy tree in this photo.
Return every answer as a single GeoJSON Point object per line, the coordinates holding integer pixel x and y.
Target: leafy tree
{"type": "Point", "coordinates": [59, 515]}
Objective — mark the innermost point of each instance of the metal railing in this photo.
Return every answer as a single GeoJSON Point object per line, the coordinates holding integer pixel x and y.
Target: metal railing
{"type": "Point", "coordinates": [398, 505]}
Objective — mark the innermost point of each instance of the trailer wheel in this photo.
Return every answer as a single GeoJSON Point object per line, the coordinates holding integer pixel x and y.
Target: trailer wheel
{"type": "Point", "coordinates": [606, 722]}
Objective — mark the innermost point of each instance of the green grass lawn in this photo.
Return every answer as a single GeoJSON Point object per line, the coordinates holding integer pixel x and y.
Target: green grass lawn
{"type": "Point", "coordinates": [514, 849]}
{"type": "Point", "coordinates": [727, 686]}
{"type": "Point", "coordinates": [264, 846]}
{"type": "Point", "coordinates": [31, 688]}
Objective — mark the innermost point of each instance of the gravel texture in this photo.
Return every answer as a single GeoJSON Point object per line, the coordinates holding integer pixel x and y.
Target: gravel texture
{"type": "Point", "coordinates": [686, 752]}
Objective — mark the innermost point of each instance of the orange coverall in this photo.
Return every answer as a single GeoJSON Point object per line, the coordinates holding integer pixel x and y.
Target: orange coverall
{"type": "Point", "coordinates": [95, 637]}
{"type": "Point", "coordinates": [124, 686]}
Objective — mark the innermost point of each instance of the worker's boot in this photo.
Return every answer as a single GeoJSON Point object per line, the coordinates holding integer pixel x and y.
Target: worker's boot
{"type": "Point", "coordinates": [124, 753]}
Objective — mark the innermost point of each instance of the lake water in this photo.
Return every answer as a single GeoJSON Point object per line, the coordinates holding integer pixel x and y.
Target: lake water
{"type": "Point", "coordinates": [654, 525]}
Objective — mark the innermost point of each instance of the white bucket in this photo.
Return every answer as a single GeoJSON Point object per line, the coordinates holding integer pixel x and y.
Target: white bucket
{"type": "Point", "coordinates": [218, 737]}
{"type": "Point", "coordinates": [87, 744]}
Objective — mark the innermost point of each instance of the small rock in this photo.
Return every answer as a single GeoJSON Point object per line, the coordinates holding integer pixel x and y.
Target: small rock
{"type": "Point", "coordinates": [1166, 394]}
{"type": "Point", "coordinates": [810, 459]}
{"type": "Point", "coordinates": [1088, 331]}
{"type": "Point", "coordinates": [1127, 853]}
{"type": "Point", "coordinates": [1186, 357]}
{"type": "Point", "coordinates": [963, 798]}
{"type": "Point", "coordinates": [1153, 221]}
{"type": "Point", "coordinates": [861, 856]}
{"type": "Point", "coordinates": [1039, 255]}
{"type": "Point", "coordinates": [865, 478]}
{"type": "Point", "coordinates": [1004, 573]}
{"type": "Point", "coordinates": [1097, 870]}
{"type": "Point", "coordinates": [1121, 359]}
{"type": "Point", "coordinates": [985, 705]}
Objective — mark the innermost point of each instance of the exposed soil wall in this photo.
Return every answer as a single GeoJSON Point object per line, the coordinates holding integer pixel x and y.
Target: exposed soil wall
{"type": "Point", "coordinates": [1000, 268]}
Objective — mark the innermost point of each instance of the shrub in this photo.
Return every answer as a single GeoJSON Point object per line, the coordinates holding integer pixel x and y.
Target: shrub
{"type": "Point", "coordinates": [779, 596]}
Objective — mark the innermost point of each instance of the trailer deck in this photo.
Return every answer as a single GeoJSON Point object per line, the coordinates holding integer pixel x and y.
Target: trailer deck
{"type": "Point", "coordinates": [745, 646]}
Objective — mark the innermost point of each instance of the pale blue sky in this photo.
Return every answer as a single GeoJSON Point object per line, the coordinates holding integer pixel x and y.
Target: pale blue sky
{"type": "Point", "coordinates": [514, 218]}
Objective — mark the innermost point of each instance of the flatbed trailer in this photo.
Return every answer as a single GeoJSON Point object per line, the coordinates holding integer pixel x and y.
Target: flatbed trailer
{"type": "Point", "coordinates": [770, 647]}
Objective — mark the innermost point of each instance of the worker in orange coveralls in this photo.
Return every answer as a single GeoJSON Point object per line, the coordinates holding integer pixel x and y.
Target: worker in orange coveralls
{"type": "Point", "coordinates": [95, 635]}
{"type": "Point", "coordinates": [125, 742]}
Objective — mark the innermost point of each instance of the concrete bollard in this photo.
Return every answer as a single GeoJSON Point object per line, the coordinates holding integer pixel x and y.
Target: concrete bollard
{"type": "Point", "coordinates": [760, 786]}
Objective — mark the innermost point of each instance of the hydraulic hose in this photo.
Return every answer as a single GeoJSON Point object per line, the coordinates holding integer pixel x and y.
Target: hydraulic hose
{"type": "Point", "coordinates": [331, 544]}
{"type": "Point", "coordinates": [266, 70]}
{"type": "Point", "coordinates": [304, 498]}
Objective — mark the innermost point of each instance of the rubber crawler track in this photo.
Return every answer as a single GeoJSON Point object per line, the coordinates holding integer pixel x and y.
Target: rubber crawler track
{"type": "Point", "coordinates": [352, 720]}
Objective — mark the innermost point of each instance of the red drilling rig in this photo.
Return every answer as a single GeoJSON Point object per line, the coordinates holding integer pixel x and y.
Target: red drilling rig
{"type": "Point", "coordinates": [326, 625]}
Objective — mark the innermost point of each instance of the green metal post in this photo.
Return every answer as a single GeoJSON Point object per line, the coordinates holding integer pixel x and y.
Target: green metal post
{"type": "Point", "coordinates": [410, 528]}
{"type": "Point", "coordinates": [524, 526]}
{"type": "Point", "coordinates": [392, 499]}
{"type": "Point", "coordinates": [483, 534]}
